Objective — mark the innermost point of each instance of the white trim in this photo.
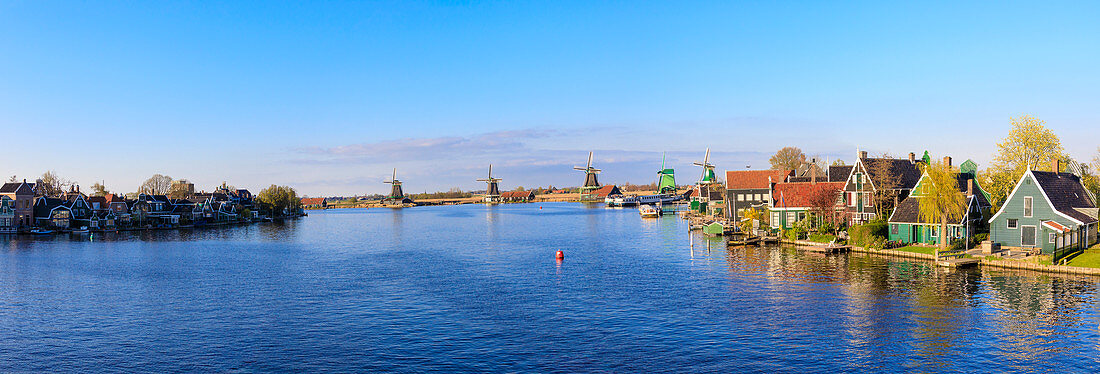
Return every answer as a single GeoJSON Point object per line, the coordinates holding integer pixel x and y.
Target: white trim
{"type": "Point", "coordinates": [1029, 199]}
{"type": "Point", "coordinates": [1041, 192]}
{"type": "Point", "coordinates": [1036, 238]}
{"type": "Point", "coordinates": [1013, 228]}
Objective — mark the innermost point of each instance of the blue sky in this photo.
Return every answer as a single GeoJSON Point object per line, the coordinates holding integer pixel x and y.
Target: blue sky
{"type": "Point", "coordinates": [328, 97]}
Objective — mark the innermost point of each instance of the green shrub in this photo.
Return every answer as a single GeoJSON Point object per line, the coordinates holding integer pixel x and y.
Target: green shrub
{"type": "Point", "coordinates": [870, 235]}
{"type": "Point", "coordinates": [826, 227]}
{"type": "Point", "coordinates": [822, 238]}
{"type": "Point", "coordinates": [795, 233]}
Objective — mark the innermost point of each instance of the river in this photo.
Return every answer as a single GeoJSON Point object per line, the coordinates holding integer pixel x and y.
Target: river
{"type": "Point", "coordinates": [476, 288]}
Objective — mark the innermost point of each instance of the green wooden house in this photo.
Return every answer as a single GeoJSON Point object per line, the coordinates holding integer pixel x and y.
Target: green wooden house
{"type": "Point", "coordinates": [1044, 212]}
{"type": "Point", "coordinates": [907, 227]}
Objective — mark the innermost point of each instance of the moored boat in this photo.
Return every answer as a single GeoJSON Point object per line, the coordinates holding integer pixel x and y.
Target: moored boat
{"type": "Point", "coordinates": [649, 211]}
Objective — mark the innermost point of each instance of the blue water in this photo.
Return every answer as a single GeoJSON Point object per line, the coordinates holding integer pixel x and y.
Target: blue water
{"type": "Point", "coordinates": [477, 289]}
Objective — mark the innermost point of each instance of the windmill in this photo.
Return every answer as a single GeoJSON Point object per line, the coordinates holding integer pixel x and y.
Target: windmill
{"type": "Point", "coordinates": [707, 180]}
{"type": "Point", "coordinates": [397, 196]}
{"type": "Point", "coordinates": [590, 181]}
{"type": "Point", "coordinates": [492, 192]}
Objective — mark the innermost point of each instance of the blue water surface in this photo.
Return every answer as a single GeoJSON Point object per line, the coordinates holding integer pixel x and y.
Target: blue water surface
{"type": "Point", "coordinates": [476, 288]}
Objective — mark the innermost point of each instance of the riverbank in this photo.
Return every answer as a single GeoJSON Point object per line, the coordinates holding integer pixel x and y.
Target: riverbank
{"type": "Point", "coordinates": [992, 261]}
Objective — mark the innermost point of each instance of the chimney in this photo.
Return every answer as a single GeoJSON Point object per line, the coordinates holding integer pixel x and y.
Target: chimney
{"type": "Point", "coordinates": [969, 187]}
{"type": "Point", "coordinates": [862, 154]}
{"type": "Point", "coordinates": [1054, 165]}
{"type": "Point", "coordinates": [813, 174]}
{"type": "Point", "coordinates": [912, 158]}
{"type": "Point", "coordinates": [947, 161]}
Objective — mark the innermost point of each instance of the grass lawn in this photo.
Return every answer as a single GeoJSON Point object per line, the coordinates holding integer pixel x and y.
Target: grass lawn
{"type": "Point", "coordinates": [917, 249]}
{"type": "Point", "coordinates": [1088, 259]}
{"type": "Point", "coordinates": [822, 238]}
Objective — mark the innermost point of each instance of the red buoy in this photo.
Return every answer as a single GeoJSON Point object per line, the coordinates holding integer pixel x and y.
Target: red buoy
{"type": "Point", "coordinates": [560, 255]}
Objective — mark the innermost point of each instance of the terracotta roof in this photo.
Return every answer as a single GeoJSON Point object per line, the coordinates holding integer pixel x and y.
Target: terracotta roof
{"type": "Point", "coordinates": [607, 190]}
{"type": "Point", "coordinates": [313, 201]}
{"type": "Point", "coordinates": [1055, 226]}
{"type": "Point", "coordinates": [1066, 193]}
{"type": "Point", "coordinates": [754, 179]}
{"type": "Point", "coordinates": [800, 195]}
{"type": "Point", "coordinates": [507, 194]}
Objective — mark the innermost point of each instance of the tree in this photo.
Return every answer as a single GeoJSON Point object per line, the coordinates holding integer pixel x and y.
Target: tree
{"type": "Point", "coordinates": [823, 199]}
{"type": "Point", "coordinates": [98, 189]}
{"type": "Point", "coordinates": [886, 186]}
{"type": "Point", "coordinates": [1029, 144]}
{"type": "Point", "coordinates": [279, 200]}
{"type": "Point", "coordinates": [787, 158]}
{"type": "Point", "coordinates": [941, 201]}
{"type": "Point", "coordinates": [13, 179]}
{"type": "Point", "coordinates": [156, 185]}
{"type": "Point", "coordinates": [50, 184]}
{"type": "Point", "coordinates": [838, 162]}
{"type": "Point", "coordinates": [180, 189]}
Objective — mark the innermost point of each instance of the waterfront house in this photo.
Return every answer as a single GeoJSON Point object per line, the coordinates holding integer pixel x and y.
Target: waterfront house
{"type": "Point", "coordinates": [119, 207]}
{"type": "Point", "coordinates": [185, 210]}
{"type": "Point", "coordinates": [906, 226]}
{"type": "Point", "coordinates": [80, 210]}
{"type": "Point", "coordinates": [794, 202]}
{"type": "Point", "coordinates": [751, 189]}
{"type": "Point", "coordinates": [153, 209]}
{"type": "Point", "coordinates": [873, 177]}
{"type": "Point", "coordinates": [607, 191]}
{"type": "Point", "coordinates": [517, 196]}
{"type": "Point", "coordinates": [8, 223]}
{"type": "Point", "coordinates": [1046, 211]}
{"type": "Point", "coordinates": [104, 220]}
{"type": "Point", "coordinates": [97, 203]}
{"type": "Point", "coordinates": [22, 196]}
{"type": "Point", "coordinates": [314, 202]}
{"type": "Point", "coordinates": [52, 213]}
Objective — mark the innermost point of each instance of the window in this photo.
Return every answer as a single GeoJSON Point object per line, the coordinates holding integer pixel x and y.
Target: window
{"type": "Point", "coordinates": [740, 197]}
{"type": "Point", "coordinates": [775, 219]}
{"type": "Point", "coordinates": [867, 201]}
{"type": "Point", "coordinates": [1052, 236]}
{"type": "Point", "coordinates": [851, 199]}
{"type": "Point", "coordinates": [1013, 223]}
{"type": "Point", "coordinates": [759, 197]}
{"type": "Point", "coordinates": [791, 218]}
{"type": "Point", "coordinates": [1027, 236]}
{"type": "Point", "coordinates": [1027, 206]}
{"type": "Point", "coordinates": [894, 229]}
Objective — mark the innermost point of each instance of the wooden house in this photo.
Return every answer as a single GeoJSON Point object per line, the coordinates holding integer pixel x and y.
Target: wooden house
{"type": "Point", "coordinates": [607, 191]}
{"type": "Point", "coordinates": [22, 196]}
{"type": "Point", "coordinates": [871, 177]}
{"type": "Point", "coordinates": [52, 213]}
{"type": "Point", "coordinates": [906, 226]}
{"type": "Point", "coordinates": [794, 202]}
{"type": "Point", "coordinates": [749, 189]}
{"type": "Point", "coordinates": [1046, 211]}
{"type": "Point", "coordinates": [314, 203]}
{"type": "Point", "coordinates": [517, 196]}
{"type": "Point", "coordinates": [8, 222]}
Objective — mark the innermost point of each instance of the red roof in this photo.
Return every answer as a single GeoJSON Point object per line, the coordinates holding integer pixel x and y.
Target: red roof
{"type": "Point", "coordinates": [313, 201]}
{"type": "Point", "coordinates": [754, 179]}
{"type": "Point", "coordinates": [607, 190]}
{"type": "Point", "coordinates": [507, 194]}
{"type": "Point", "coordinates": [800, 195]}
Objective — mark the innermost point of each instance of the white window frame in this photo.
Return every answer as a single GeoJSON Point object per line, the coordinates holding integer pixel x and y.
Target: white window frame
{"type": "Point", "coordinates": [1053, 238]}
{"type": "Point", "coordinates": [1008, 224]}
{"type": "Point", "coordinates": [1029, 206]}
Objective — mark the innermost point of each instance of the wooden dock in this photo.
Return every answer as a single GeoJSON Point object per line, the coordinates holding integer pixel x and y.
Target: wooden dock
{"type": "Point", "coordinates": [958, 262]}
{"type": "Point", "coordinates": [745, 241]}
{"type": "Point", "coordinates": [828, 248]}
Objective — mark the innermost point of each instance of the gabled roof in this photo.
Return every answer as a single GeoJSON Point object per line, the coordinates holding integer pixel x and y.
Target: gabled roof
{"type": "Point", "coordinates": [17, 188]}
{"type": "Point", "coordinates": [1066, 193]}
{"type": "Point", "coordinates": [607, 190]}
{"type": "Point", "coordinates": [754, 179]}
{"type": "Point", "coordinates": [883, 171]}
{"type": "Point", "coordinates": [908, 211]}
{"type": "Point", "coordinates": [507, 194]}
{"type": "Point", "coordinates": [800, 195]}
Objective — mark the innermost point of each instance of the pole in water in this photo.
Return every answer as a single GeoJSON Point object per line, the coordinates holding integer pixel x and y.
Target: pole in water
{"type": "Point", "coordinates": [560, 255]}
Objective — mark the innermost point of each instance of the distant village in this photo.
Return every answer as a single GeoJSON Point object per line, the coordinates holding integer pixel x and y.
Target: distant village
{"type": "Point", "coordinates": [44, 207]}
{"type": "Point", "coordinates": [1041, 201]}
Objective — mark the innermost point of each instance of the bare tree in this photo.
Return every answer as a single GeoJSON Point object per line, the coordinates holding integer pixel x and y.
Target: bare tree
{"type": "Point", "coordinates": [13, 179]}
{"type": "Point", "coordinates": [886, 185]}
{"type": "Point", "coordinates": [50, 184]}
{"type": "Point", "coordinates": [98, 189]}
{"type": "Point", "coordinates": [156, 185]}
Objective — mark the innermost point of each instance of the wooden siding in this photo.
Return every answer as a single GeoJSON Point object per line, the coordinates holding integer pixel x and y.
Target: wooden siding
{"type": "Point", "coordinates": [1014, 209]}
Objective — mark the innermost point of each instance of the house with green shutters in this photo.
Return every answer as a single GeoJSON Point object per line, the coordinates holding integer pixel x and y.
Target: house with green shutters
{"type": "Point", "coordinates": [872, 177]}
{"type": "Point", "coordinates": [1046, 211]}
{"type": "Point", "coordinates": [906, 226]}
